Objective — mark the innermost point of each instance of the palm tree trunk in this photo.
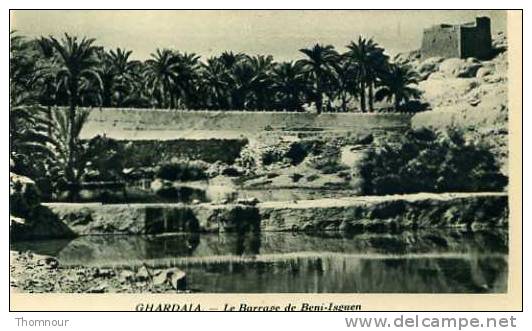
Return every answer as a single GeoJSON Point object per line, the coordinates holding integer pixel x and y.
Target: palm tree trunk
{"type": "Point", "coordinates": [396, 103]}
{"type": "Point", "coordinates": [344, 102]}
{"type": "Point", "coordinates": [370, 96]}
{"type": "Point", "coordinates": [171, 104]}
{"type": "Point", "coordinates": [363, 96]}
{"type": "Point", "coordinates": [319, 98]}
{"type": "Point", "coordinates": [69, 171]}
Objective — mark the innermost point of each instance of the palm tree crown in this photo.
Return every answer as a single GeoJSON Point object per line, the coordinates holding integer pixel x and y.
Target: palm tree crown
{"type": "Point", "coordinates": [319, 63]}
{"type": "Point", "coordinates": [398, 85]}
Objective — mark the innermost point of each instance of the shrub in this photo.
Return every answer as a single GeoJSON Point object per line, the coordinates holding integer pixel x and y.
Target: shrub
{"type": "Point", "coordinates": [106, 159]}
{"type": "Point", "coordinates": [247, 158]}
{"type": "Point", "coordinates": [428, 161]}
{"type": "Point", "coordinates": [182, 170]}
{"type": "Point", "coordinates": [282, 152]}
{"type": "Point", "coordinates": [326, 158]}
{"type": "Point", "coordinates": [272, 154]}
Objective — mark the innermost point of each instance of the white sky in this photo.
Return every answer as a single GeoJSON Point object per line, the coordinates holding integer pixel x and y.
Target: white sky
{"type": "Point", "coordinates": [280, 33]}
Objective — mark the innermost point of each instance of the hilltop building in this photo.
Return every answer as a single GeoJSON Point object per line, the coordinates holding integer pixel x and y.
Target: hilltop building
{"type": "Point", "coordinates": [460, 40]}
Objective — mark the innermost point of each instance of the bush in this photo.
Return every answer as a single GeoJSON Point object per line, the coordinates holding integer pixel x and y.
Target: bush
{"type": "Point", "coordinates": [428, 161]}
{"type": "Point", "coordinates": [326, 158]}
{"type": "Point", "coordinates": [282, 152]}
{"type": "Point", "coordinates": [106, 159]}
{"type": "Point", "coordinates": [182, 170]}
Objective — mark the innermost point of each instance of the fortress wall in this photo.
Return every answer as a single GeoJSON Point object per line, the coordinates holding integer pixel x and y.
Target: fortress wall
{"type": "Point", "coordinates": [476, 40]}
{"type": "Point", "coordinates": [441, 41]}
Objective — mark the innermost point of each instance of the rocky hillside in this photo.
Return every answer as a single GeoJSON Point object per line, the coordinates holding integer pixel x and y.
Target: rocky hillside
{"type": "Point", "coordinates": [468, 94]}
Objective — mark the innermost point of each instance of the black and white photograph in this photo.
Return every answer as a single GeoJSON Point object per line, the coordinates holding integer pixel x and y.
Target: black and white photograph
{"type": "Point", "coordinates": [261, 152]}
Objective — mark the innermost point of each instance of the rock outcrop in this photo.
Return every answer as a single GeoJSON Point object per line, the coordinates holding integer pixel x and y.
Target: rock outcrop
{"type": "Point", "coordinates": [468, 94]}
{"type": "Point", "coordinates": [28, 218]}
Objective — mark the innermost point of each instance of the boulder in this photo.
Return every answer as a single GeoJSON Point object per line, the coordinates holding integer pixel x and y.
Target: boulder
{"type": "Point", "coordinates": [160, 278]}
{"type": "Point", "coordinates": [100, 288]}
{"type": "Point", "coordinates": [158, 184]}
{"type": "Point", "coordinates": [104, 273]}
{"type": "Point", "coordinates": [442, 91]}
{"type": "Point", "coordinates": [407, 57]}
{"type": "Point", "coordinates": [143, 274]}
{"type": "Point", "coordinates": [499, 42]}
{"type": "Point", "coordinates": [49, 262]}
{"type": "Point", "coordinates": [126, 276]}
{"type": "Point", "coordinates": [178, 279]}
{"type": "Point", "coordinates": [173, 276]}
{"type": "Point", "coordinates": [485, 71]}
{"type": "Point", "coordinates": [428, 66]}
{"type": "Point", "coordinates": [459, 68]}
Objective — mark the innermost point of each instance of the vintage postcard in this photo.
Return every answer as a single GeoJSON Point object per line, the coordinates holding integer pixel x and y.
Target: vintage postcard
{"type": "Point", "coordinates": [265, 160]}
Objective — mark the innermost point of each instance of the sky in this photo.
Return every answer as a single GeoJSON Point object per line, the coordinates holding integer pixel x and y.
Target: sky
{"type": "Point", "coordinates": [207, 33]}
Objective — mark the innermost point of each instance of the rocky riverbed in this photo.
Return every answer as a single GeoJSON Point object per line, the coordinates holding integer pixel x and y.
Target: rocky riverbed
{"type": "Point", "coordinates": [32, 273]}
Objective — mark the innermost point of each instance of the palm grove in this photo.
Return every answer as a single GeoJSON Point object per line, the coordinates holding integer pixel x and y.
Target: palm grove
{"type": "Point", "coordinates": [76, 74]}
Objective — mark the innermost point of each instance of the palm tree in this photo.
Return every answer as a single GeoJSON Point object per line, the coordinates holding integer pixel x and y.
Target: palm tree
{"type": "Point", "coordinates": [28, 136]}
{"type": "Point", "coordinates": [185, 84]}
{"type": "Point", "coordinates": [116, 72]}
{"type": "Point", "coordinates": [320, 63]}
{"type": "Point", "coordinates": [160, 76]}
{"type": "Point", "coordinates": [214, 83]}
{"type": "Point", "coordinates": [44, 76]}
{"type": "Point", "coordinates": [238, 76]}
{"type": "Point", "coordinates": [368, 59]}
{"type": "Point", "coordinates": [65, 138]}
{"type": "Point", "coordinates": [21, 63]}
{"type": "Point", "coordinates": [290, 84]}
{"type": "Point", "coordinates": [262, 87]}
{"type": "Point", "coordinates": [229, 59]}
{"type": "Point", "coordinates": [76, 67]}
{"type": "Point", "coordinates": [397, 85]}
{"type": "Point", "coordinates": [243, 79]}
{"type": "Point", "coordinates": [346, 83]}
{"type": "Point", "coordinates": [137, 95]}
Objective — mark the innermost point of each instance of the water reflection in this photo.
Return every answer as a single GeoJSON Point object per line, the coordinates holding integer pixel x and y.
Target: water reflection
{"type": "Point", "coordinates": [426, 262]}
{"type": "Point", "coordinates": [337, 274]}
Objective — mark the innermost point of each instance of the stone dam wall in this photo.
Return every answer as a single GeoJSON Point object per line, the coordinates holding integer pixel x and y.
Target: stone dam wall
{"type": "Point", "coordinates": [149, 124]}
{"type": "Point", "coordinates": [155, 134]}
{"type": "Point", "coordinates": [370, 213]}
